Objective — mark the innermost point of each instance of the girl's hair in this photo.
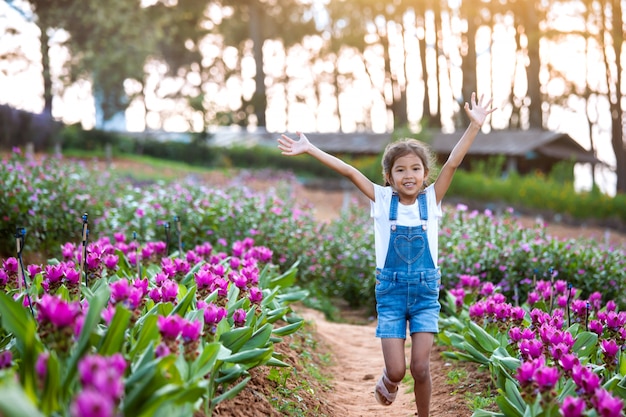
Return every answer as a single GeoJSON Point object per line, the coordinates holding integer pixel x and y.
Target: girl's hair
{"type": "Point", "coordinates": [404, 147]}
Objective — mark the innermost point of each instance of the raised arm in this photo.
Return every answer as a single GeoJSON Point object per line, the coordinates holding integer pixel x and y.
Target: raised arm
{"type": "Point", "coordinates": [477, 115]}
{"type": "Point", "coordinates": [291, 147]}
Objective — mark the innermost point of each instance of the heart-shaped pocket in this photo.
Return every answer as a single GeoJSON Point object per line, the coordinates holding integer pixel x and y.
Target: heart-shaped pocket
{"type": "Point", "coordinates": [409, 249]}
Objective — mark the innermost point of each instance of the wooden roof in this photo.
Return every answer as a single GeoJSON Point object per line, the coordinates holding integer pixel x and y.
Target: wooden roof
{"type": "Point", "coordinates": [523, 143]}
{"type": "Point", "coordinates": [519, 143]}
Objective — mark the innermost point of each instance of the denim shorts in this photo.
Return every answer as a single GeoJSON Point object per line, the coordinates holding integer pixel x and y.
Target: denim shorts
{"type": "Point", "coordinates": [402, 298]}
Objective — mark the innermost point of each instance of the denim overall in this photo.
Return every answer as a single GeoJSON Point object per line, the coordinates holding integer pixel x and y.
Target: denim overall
{"type": "Point", "coordinates": [407, 288]}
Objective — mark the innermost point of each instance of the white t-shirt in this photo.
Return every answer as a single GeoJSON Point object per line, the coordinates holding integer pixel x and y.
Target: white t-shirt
{"type": "Point", "coordinates": [407, 216]}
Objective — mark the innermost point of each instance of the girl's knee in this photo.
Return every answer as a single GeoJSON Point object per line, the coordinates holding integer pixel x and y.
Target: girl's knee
{"type": "Point", "coordinates": [396, 375]}
{"type": "Point", "coordinates": [420, 372]}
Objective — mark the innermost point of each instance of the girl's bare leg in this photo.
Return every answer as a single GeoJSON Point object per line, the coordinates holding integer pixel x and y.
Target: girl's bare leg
{"type": "Point", "coordinates": [420, 370]}
{"type": "Point", "coordinates": [395, 362]}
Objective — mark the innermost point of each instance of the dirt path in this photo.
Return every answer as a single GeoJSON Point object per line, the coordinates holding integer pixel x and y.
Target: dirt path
{"type": "Point", "coordinates": [357, 364]}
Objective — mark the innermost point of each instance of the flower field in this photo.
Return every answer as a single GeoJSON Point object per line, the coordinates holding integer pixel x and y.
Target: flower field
{"type": "Point", "coordinates": [163, 298]}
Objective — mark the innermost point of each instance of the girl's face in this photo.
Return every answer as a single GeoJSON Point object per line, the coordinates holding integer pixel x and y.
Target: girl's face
{"type": "Point", "coordinates": [407, 177]}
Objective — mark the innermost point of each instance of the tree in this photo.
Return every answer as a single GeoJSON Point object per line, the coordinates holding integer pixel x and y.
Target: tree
{"type": "Point", "coordinates": [614, 25]}
{"type": "Point", "coordinates": [258, 21]}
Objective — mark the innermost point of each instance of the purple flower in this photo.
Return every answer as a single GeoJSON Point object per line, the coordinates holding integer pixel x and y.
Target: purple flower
{"type": "Point", "coordinates": [161, 350]}
{"type": "Point", "coordinates": [6, 358]}
{"type": "Point", "coordinates": [525, 373]}
{"type": "Point", "coordinates": [111, 261]}
{"type": "Point", "coordinates": [120, 290]}
{"type": "Point", "coordinates": [54, 273]}
{"type": "Point", "coordinates": [568, 361]}
{"type": "Point", "coordinates": [609, 347]}
{"type": "Point", "coordinates": [169, 326]}
{"type": "Point", "coordinates": [72, 276]}
{"type": "Point", "coordinates": [10, 265]}
{"type": "Point", "coordinates": [191, 330]}
{"type": "Point", "coordinates": [169, 291]}
{"type": "Point", "coordinates": [239, 317]}
{"type": "Point", "coordinates": [255, 295]}
{"type": "Point", "coordinates": [92, 403]}
{"type": "Point", "coordinates": [240, 281]}
{"type": "Point", "coordinates": [155, 295]}
{"type": "Point", "coordinates": [57, 311]}
{"type": "Point", "coordinates": [596, 327]}
{"type": "Point", "coordinates": [214, 314]}
{"type": "Point", "coordinates": [585, 379]}
{"type": "Point", "coordinates": [531, 348]}
{"type": "Point", "coordinates": [89, 366]}
{"type": "Point", "coordinates": [546, 377]}
{"type": "Point", "coordinates": [606, 405]}
{"type": "Point", "coordinates": [41, 367]}
{"type": "Point", "coordinates": [573, 407]}
{"type": "Point", "coordinates": [4, 278]}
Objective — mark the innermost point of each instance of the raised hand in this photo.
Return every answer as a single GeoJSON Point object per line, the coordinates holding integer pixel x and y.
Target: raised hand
{"type": "Point", "coordinates": [292, 147]}
{"type": "Point", "coordinates": [478, 111]}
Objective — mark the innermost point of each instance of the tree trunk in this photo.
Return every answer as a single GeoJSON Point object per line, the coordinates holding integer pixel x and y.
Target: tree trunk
{"type": "Point", "coordinates": [259, 99]}
{"type": "Point", "coordinates": [468, 65]}
{"type": "Point", "coordinates": [47, 79]}
{"type": "Point", "coordinates": [531, 24]}
{"type": "Point", "coordinates": [617, 109]}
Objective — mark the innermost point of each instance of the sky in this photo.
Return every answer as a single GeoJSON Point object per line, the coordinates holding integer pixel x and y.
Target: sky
{"type": "Point", "coordinates": [21, 86]}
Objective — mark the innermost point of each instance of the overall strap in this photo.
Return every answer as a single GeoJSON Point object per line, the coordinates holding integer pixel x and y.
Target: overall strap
{"type": "Point", "coordinates": [421, 199]}
{"type": "Point", "coordinates": [393, 210]}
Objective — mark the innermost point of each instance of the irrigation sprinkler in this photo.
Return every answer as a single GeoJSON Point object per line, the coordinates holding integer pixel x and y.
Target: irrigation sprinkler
{"type": "Point", "coordinates": [569, 297]}
{"type": "Point", "coordinates": [137, 256]}
{"type": "Point", "coordinates": [550, 271]}
{"type": "Point", "coordinates": [166, 226]}
{"type": "Point", "coordinates": [587, 306]}
{"type": "Point", "coordinates": [20, 238]}
{"type": "Point", "coordinates": [180, 237]}
{"type": "Point", "coordinates": [85, 235]}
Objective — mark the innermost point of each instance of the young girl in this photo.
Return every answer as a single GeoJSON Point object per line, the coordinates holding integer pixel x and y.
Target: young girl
{"type": "Point", "coordinates": [406, 214]}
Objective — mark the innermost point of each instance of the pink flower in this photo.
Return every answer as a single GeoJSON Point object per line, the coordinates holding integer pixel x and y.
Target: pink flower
{"type": "Point", "coordinates": [239, 317]}
{"type": "Point", "coordinates": [546, 378]}
{"type": "Point", "coordinates": [41, 367]}
{"type": "Point", "coordinates": [170, 326]}
{"type": "Point", "coordinates": [610, 348]}
{"type": "Point", "coordinates": [191, 330]}
{"type": "Point", "coordinates": [169, 291]}
{"type": "Point", "coordinates": [606, 405]}
{"type": "Point", "coordinates": [57, 311]}
{"type": "Point", "coordinates": [120, 290]}
{"type": "Point", "coordinates": [91, 403]}
{"type": "Point", "coordinates": [214, 314]}
{"type": "Point", "coordinates": [573, 407]}
{"type": "Point", "coordinates": [255, 295]}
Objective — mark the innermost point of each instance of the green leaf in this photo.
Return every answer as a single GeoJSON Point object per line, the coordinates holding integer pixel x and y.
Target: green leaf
{"type": "Point", "coordinates": [487, 342]}
{"type": "Point", "coordinates": [205, 362]}
{"type": "Point", "coordinates": [277, 362]}
{"type": "Point", "coordinates": [285, 280]}
{"type": "Point", "coordinates": [251, 357]}
{"type": "Point", "coordinates": [585, 344]}
{"type": "Point", "coordinates": [15, 403]}
{"type": "Point", "coordinates": [18, 320]}
{"type": "Point", "coordinates": [288, 329]}
{"type": "Point", "coordinates": [92, 319]}
{"type": "Point", "coordinates": [116, 332]}
{"type": "Point", "coordinates": [231, 393]}
{"type": "Point", "coordinates": [235, 339]}
{"type": "Point", "coordinates": [149, 332]}
{"type": "Point", "coordinates": [50, 396]}
{"type": "Point", "coordinates": [260, 337]}
{"type": "Point", "coordinates": [293, 296]}
{"type": "Point", "coordinates": [183, 306]}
